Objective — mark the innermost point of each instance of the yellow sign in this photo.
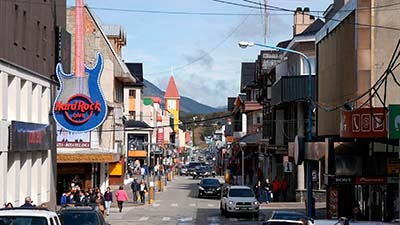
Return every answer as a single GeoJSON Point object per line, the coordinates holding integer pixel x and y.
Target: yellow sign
{"type": "Point", "coordinates": [90, 158]}
{"type": "Point", "coordinates": [116, 169]}
{"type": "Point", "coordinates": [393, 166]}
{"type": "Point", "coordinates": [137, 153]}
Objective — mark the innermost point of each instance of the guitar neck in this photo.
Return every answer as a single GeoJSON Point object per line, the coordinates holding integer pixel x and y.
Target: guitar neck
{"type": "Point", "coordinates": [79, 39]}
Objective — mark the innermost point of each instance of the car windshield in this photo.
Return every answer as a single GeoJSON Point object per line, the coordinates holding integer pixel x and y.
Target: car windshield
{"type": "Point", "coordinates": [73, 218]}
{"type": "Point", "coordinates": [22, 220]}
{"type": "Point", "coordinates": [241, 193]}
{"type": "Point", "coordinates": [210, 182]}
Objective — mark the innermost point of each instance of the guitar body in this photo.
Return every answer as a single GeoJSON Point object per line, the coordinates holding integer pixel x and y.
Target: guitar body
{"type": "Point", "coordinates": [80, 105]}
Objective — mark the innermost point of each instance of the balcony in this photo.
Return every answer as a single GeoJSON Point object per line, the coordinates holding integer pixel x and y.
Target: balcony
{"type": "Point", "coordinates": [291, 88]}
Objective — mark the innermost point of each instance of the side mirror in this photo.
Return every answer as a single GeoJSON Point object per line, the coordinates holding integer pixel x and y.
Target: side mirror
{"type": "Point", "coordinates": [198, 183]}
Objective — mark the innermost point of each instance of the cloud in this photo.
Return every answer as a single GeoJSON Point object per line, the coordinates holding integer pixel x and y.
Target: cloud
{"type": "Point", "coordinates": [200, 57]}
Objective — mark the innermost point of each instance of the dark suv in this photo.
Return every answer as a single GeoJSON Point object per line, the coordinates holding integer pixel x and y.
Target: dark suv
{"type": "Point", "coordinates": [82, 215]}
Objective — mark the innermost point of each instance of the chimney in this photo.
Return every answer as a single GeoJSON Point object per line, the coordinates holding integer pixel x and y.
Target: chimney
{"type": "Point", "coordinates": [302, 19]}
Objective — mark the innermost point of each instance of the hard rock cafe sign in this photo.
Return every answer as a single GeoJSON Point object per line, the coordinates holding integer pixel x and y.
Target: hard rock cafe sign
{"type": "Point", "coordinates": [80, 105]}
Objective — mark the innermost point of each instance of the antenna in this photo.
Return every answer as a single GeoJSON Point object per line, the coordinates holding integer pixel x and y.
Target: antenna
{"type": "Point", "coordinates": [265, 19]}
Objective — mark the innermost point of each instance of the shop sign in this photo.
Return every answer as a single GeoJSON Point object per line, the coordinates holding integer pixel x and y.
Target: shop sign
{"type": "Point", "coordinates": [393, 166]}
{"type": "Point", "coordinates": [67, 139]}
{"type": "Point", "coordinates": [29, 136]}
{"type": "Point", "coordinates": [371, 180]}
{"type": "Point", "coordinates": [91, 158]}
{"type": "Point", "coordinates": [342, 180]}
{"type": "Point", "coordinates": [394, 121]}
{"type": "Point", "coordinates": [160, 135]}
{"type": "Point", "coordinates": [287, 166]}
{"type": "Point", "coordinates": [364, 123]}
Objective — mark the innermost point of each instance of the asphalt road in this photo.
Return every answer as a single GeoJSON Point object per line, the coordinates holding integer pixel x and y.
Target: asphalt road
{"type": "Point", "coordinates": [179, 204]}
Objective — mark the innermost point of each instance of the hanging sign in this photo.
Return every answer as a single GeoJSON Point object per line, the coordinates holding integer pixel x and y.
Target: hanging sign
{"type": "Point", "coordinates": [364, 123]}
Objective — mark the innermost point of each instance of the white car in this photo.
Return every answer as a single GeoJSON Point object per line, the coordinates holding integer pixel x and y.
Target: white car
{"type": "Point", "coordinates": [239, 199]}
{"type": "Point", "coordinates": [28, 216]}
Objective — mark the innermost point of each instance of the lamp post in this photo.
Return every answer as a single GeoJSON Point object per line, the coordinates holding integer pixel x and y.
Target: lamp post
{"type": "Point", "coordinates": [145, 144]}
{"type": "Point", "coordinates": [242, 146]}
{"type": "Point", "coordinates": [244, 44]}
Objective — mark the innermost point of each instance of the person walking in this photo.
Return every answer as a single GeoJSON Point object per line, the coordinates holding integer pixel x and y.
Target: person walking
{"type": "Point", "coordinates": [284, 188]}
{"type": "Point", "coordinates": [143, 190]}
{"type": "Point", "coordinates": [100, 202]}
{"type": "Point", "coordinates": [108, 199]}
{"type": "Point", "coordinates": [121, 196]}
{"type": "Point", "coordinates": [259, 192]}
{"type": "Point", "coordinates": [276, 188]}
{"type": "Point", "coordinates": [267, 189]}
{"type": "Point", "coordinates": [135, 190]}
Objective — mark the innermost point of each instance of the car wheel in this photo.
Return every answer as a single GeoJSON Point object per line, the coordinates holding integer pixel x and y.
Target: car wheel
{"type": "Point", "coordinates": [199, 195]}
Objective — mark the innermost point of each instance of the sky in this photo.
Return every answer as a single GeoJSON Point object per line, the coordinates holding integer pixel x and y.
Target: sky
{"type": "Point", "coordinates": [200, 50]}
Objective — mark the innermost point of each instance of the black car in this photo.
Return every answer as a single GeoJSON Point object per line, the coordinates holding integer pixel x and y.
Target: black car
{"type": "Point", "coordinates": [209, 187]}
{"type": "Point", "coordinates": [201, 171]}
{"type": "Point", "coordinates": [192, 167]}
{"type": "Point", "coordinates": [82, 215]}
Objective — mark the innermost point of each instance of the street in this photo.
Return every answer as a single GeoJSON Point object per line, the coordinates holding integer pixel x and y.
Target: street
{"type": "Point", "coordinates": [179, 204]}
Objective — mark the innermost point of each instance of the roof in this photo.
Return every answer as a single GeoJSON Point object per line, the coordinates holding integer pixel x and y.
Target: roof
{"type": "Point", "coordinates": [248, 74]}
{"type": "Point", "coordinates": [284, 44]}
{"type": "Point", "coordinates": [172, 90]}
{"type": "Point", "coordinates": [112, 30]}
{"type": "Point", "coordinates": [17, 211]}
{"type": "Point", "coordinates": [251, 138]}
{"type": "Point", "coordinates": [136, 69]}
{"type": "Point", "coordinates": [313, 28]}
{"type": "Point", "coordinates": [136, 124]}
{"type": "Point", "coordinates": [239, 187]}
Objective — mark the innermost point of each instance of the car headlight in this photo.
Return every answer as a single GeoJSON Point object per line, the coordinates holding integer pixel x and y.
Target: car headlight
{"type": "Point", "coordinates": [201, 188]}
{"type": "Point", "coordinates": [255, 203]}
{"type": "Point", "coordinates": [218, 189]}
{"type": "Point", "coordinates": [230, 203]}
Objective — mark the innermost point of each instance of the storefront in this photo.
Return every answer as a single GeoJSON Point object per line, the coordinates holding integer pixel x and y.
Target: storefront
{"type": "Point", "coordinates": [84, 169]}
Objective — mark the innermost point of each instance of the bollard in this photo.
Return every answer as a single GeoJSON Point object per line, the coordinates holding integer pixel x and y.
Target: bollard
{"type": "Point", "coordinates": [162, 184]}
{"type": "Point", "coordinates": [151, 192]}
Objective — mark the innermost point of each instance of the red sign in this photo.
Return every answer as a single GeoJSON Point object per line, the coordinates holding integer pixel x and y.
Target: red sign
{"type": "Point", "coordinates": [78, 109]}
{"type": "Point", "coordinates": [160, 135]}
{"type": "Point", "coordinates": [364, 123]}
{"type": "Point", "coordinates": [187, 136]}
{"type": "Point", "coordinates": [371, 180]}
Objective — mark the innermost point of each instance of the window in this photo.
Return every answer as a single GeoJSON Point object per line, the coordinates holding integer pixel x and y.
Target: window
{"type": "Point", "coordinates": [132, 93]}
{"type": "Point", "coordinates": [171, 104]}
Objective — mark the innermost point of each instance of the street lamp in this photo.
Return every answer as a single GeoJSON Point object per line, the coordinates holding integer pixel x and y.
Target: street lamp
{"type": "Point", "coordinates": [242, 146]}
{"type": "Point", "coordinates": [244, 44]}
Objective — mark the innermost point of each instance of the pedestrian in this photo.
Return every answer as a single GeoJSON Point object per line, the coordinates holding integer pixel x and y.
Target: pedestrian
{"type": "Point", "coordinates": [121, 196]}
{"type": "Point", "coordinates": [108, 198]}
{"type": "Point", "coordinates": [100, 202]}
{"type": "Point", "coordinates": [135, 190]}
{"type": "Point", "coordinates": [276, 188]}
{"type": "Point", "coordinates": [284, 187]}
{"type": "Point", "coordinates": [28, 203]}
{"type": "Point", "coordinates": [258, 191]}
{"type": "Point", "coordinates": [143, 190]}
{"type": "Point", "coordinates": [142, 172]}
{"type": "Point", "coordinates": [267, 189]}
{"type": "Point", "coordinates": [9, 205]}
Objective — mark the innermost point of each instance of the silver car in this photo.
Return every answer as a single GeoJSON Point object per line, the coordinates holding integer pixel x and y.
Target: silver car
{"type": "Point", "coordinates": [239, 199]}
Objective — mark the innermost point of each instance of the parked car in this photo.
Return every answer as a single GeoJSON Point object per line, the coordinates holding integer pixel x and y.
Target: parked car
{"type": "Point", "coordinates": [345, 221]}
{"type": "Point", "coordinates": [209, 187]}
{"type": "Point", "coordinates": [239, 199]}
{"type": "Point", "coordinates": [184, 170]}
{"type": "Point", "coordinates": [82, 215]}
{"type": "Point", "coordinates": [283, 222]}
{"type": "Point", "coordinates": [28, 216]}
{"type": "Point", "coordinates": [200, 171]}
{"type": "Point", "coordinates": [290, 215]}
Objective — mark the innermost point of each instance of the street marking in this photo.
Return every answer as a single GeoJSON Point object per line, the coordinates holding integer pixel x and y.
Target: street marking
{"type": "Point", "coordinates": [210, 205]}
{"type": "Point", "coordinates": [166, 218]}
{"type": "Point", "coordinates": [156, 205]}
{"type": "Point", "coordinates": [143, 218]}
{"type": "Point", "coordinates": [213, 219]}
{"type": "Point", "coordinates": [192, 205]}
{"type": "Point", "coordinates": [233, 219]}
{"type": "Point", "coordinates": [174, 204]}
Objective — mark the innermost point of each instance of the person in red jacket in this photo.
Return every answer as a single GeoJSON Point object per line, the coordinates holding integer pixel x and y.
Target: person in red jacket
{"type": "Point", "coordinates": [284, 188]}
{"type": "Point", "coordinates": [276, 188]}
{"type": "Point", "coordinates": [121, 196]}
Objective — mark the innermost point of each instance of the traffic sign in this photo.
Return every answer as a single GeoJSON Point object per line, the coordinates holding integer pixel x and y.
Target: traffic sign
{"type": "Point", "coordinates": [394, 121]}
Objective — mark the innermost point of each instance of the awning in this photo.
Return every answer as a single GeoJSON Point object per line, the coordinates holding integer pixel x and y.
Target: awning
{"type": "Point", "coordinates": [100, 157]}
{"type": "Point", "coordinates": [250, 138]}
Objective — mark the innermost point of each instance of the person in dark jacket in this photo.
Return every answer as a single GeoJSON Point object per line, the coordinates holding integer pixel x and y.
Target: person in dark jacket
{"type": "Point", "coordinates": [267, 189]}
{"type": "Point", "coordinates": [28, 203]}
{"type": "Point", "coordinates": [135, 190]}
{"type": "Point", "coordinates": [108, 198]}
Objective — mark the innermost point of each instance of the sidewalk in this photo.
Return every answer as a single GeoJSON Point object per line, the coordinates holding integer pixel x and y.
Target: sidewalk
{"type": "Point", "coordinates": [291, 205]}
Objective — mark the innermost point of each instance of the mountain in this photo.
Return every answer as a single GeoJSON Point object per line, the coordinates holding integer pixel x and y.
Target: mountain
{"type": "Point", "coordinates": [188, 105]}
